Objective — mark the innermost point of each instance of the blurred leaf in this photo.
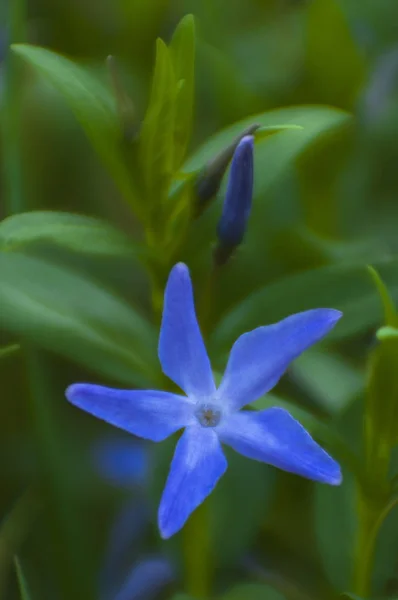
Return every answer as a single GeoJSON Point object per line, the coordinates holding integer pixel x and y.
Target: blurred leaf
{"type": "Point", "coordinates": [92, 105]}
{"type": "Point", "coordinates": [335, 65]}
{"type": "Point", "coordinates": [22, 583]}
{"type": "Point", "coordinates": [336, 522]}
{"type": "Point", "coordinates": [390, 313]}
{"type": "Point", "coordinates": [344, 287]}
{"type": "Point", "coordinates": [157, 132]}
{"type": "Point", "coordinates": [330, 380]}
{"type": "Point", "coordinates": [87, 235]}
{"type": "Point", "coordinates": [351, 596]}
{"type": "Point", "coordinates": [182, 49]}
{"type": "Point", "coordinates": [278, 150]}
{"type": "Point", "coordinates": [252, 591]}
{"type": "Point", "coordinates": [238, 505]}
{"type": "Point", "coordinates": [7, 350]}
{"type": "Point", "coordinates": [62, 311]}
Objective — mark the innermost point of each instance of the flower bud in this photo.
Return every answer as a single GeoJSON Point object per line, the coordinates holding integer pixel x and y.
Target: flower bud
{"type": "Point", "coordinates": [209, 180]}
{"type": "Point", "coordinates": [238, 199]}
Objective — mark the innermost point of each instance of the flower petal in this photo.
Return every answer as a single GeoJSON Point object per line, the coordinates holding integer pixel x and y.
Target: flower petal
{"type": "Point", "coordinates": [274, 437]}
{"type": "Point", "coordinates": [122, 462]}
{"type": "Point", "coordinates": [197, 465]}
{"type": "Point", "coordinates": [259, 358]}
{"type": "Point", "coordinates": [150, 414]}
{"type": "Point", "coordinates": [182, 352]}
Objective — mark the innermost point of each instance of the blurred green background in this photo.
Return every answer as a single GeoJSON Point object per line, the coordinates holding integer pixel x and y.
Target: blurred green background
{"type": "Point", "coordinates": [81, 297]}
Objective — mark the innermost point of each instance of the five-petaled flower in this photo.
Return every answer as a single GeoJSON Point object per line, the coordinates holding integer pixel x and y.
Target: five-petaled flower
{"type": "Point", "coordinates": [212, 416]}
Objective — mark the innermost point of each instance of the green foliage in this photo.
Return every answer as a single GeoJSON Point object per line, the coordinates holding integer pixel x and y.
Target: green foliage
{"type": "Point", "coordinates": [86, 235]}
{"type": "Point", "coordinates": [345, 287]}
{"type": "Point", "coordinates": [336, 66]}
{"type": "Point", "coordinates": [157, 132]}
{"type": "Point", "coordinates": [252, 591]}
{"type": "Point", "coordinates": [22, 583]}
{"type": "Point", "coordinates": [182, 49]}
{"type": "Point", "coordinates": [93, 106]}
{"type": "Point", "coordinates": [77, 318]}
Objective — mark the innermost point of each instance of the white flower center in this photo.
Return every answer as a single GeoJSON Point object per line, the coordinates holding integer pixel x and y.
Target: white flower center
{"type": "Point", "coordinates": [208, 415]}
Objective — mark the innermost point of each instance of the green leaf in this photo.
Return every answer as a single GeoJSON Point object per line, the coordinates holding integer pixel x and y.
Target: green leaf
{"type": "Point", "coordinates": [182, 49]}
{"type": "Point", "coordinates": [336, 70]}
{"type": "Point", "coordinates": [336, 523]}
{"type": "Point", "coordinates": [330, 380]}
{"type": "Point", "coordinates": [278, 151]}
{"type": "Point", "coordinates": [92, 105]}
{"type": "Point", "coordinates": [22, 583]}
{"type": "Point", "coordinates": [7, 350]}
{"type": "Point", "coordinates": [351, 596]}
{"type": "Point", "coordinates": [78, 233]}
{"type": "Point", "coordinates": [63, 312]}
{"type": "Point", "coordinates": [344, 287]}
{"type": "Point", "coordinates": [390, 313]}
{"type": "Point", "coordinates": [252, 591]}
{"type": "Point", "coordinates": [157, 132]}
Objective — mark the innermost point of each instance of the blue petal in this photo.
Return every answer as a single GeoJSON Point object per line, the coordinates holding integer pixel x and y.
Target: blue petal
{"type": "Point", "coordinates": [123, 462]}
{"type": "Point", "coordinates": [181, 349]}
{"type": "Point", "coordinates": [146, 579]}
{"type": "Point", "coordinates": [148, 414]}
{"type": "Point", "coordinates": [274, 437]}
{"type": "Point", "coordinates": [259, 358]}
{"type": "Point", "coordinates": [238, 198]}
{"type": "Point", "coordinates": [197, 465]}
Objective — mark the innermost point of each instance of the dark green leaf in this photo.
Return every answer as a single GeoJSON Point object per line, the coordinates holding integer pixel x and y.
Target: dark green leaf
{"type": "Point", "coordinates": [157, 132]}
{"type": "Point", "coordinates": [336, 523]}
{"type": "Point", "coordinates": [182, 49]}
{"type": "Point", "coordinates": [277, 151]}
{"type": "Point", "coordinates": [92, 105]}
{"type": "Point", "coordinates": [344, 287]}
{"type": "Point", "coordinates": [336, 70]}
{"type": "Point", "coordinates": [86, 235]}
{"type": "Point", "coordinates": [330, 380]}
{"type": "Point", "coordinates": [22, 583]}
{"type": "Point", "coordinates": [68, 314]}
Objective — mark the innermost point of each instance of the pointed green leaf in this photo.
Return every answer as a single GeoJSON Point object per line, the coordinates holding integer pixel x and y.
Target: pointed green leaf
{"type": "Point", "coordinates": [157, 132]}
{"type": "Point", "coordinates": [92, 105]}
{"type": "Point", "coordinates": [344, 287]}
{"type": "Point", "coordinates": [390, 313]}
{"type": "Point", "coordinates": [182, 49]}
{"type": "Point", "coordinates": [66, 313]}
{"type": "Point", "coordinates": [336, 70]}
{"type": "Point", "coordinates": [22, 583]}
{"type": "Point", "coordinates": [78, 233]}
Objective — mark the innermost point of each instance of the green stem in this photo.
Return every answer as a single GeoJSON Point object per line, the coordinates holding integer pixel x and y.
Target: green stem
{"type": "Point", "coordinates": [370, 522]}
{"type": "Point", "coordinates": [8, 350]}
{"type": "Point", "coordinates": [13, 530]}
{"type": "Point", "coordinates": [197, 556]}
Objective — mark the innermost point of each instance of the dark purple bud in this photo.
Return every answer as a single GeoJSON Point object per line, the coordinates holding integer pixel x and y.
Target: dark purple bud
{"type": "Point", "coordinates": [238, 198]}
{"type": "Point", "coordinates": [209, 180]}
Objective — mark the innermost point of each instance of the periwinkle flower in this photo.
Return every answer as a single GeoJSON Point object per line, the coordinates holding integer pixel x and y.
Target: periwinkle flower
{"type": "Point", "coordinates": [238, 198]}
{"type": "Point", "coordinates": [122, 462]}
{"type": "Point", "coordinates": [212, 416]}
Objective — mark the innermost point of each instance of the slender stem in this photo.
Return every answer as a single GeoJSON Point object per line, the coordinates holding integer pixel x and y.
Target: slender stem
{"type": "Point", "coordinates": [370, 522]}
{"type": "Point", "coordinates": [13, 530]}
{"type": "Point", "coordinates": [197, 553]}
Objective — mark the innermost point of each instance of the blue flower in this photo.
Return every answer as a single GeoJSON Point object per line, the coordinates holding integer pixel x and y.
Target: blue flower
{"type": "Point", "coordinates": [212, 416]}
{"type": "Point", "coordinates": [122, 462]}
{"type": "Point", "coordinates": [238, 199]}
